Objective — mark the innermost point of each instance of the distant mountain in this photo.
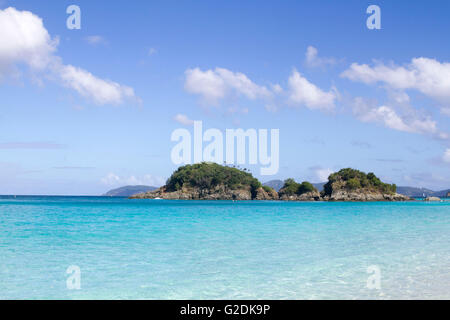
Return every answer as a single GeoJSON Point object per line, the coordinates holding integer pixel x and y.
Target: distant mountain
{"type": "Point", "coordinates": [442, 194]}
{"type": "Point", "coordinates": [421, 192]}
{"type": "Point", "coordinates": [278, 184]}
{"type": "Point", "coordinates": [128, 191]}
{"type": "Point", "coordinates": [274, 184]}
{"type": "Point", "coordinates": [415, 192]}
{"type": "Point", "coordinates": [319, 186]}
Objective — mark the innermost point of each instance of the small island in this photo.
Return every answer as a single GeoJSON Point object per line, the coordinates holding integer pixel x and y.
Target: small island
{"type": "Point", "coordinates": [354, 185]}
{"type": "Point", "coordinates": [211, 181]}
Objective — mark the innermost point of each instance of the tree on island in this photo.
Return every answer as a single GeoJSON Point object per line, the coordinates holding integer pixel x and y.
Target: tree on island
{"type": "Point", "coordinates": [207, 175]}
{"type": "Point", "coordinates": [352, 179]}
{"type": "Point", "coordinates": [291, 187]}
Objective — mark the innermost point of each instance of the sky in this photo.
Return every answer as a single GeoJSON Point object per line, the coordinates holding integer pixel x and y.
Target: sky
{"type": "Point", "coordinates": [86, 110]}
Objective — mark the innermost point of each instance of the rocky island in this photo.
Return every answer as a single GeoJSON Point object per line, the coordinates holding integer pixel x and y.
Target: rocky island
{"type": "Point", "coordinates": [211, 181]}
{"type": "Point", "coordinates": [293, 191]}
{"type": "Point", "coordinates": [354, 185]}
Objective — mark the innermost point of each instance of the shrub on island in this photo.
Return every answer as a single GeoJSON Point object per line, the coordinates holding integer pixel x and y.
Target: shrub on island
{"type": "Point", "coordinates": [268, 189]}
{"type": "Point", "coordinates": [352, 179]}
{"type": "Point", "coordinates": [207, 175]}
{"type": "Point", "coordinates": [291, 187]}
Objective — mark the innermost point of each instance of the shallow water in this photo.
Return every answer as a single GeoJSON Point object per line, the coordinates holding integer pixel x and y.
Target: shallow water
{"type": "Point", "coordinates": [158, 249]}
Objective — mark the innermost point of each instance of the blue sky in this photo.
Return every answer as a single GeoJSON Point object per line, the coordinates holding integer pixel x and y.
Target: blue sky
{"type": "Point", "coordinates": [83, 111]}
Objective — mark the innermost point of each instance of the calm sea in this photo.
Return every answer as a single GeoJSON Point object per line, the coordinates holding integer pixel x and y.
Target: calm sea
{"type": "Point", "coordinates": [158, 249]}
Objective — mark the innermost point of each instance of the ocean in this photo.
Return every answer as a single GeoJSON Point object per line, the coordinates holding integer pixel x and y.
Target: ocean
{"type": "Point", "coordinates": [161, 249]}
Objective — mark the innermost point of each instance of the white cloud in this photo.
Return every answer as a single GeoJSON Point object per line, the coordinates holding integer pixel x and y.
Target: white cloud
{"type": "Point", "coordinates": [276, 88]}
{"type": "Point", "coordinates": [24, 40]}
{"type": "Point", "coordinates": [446, 156]}
{"type": "Point", "coordinates": [303, 92]}
{"type": "Point", "coordinates": [214, 85]}
{"type": "Point", "coordinates": [313, 60]}
{"type": "Point", "coordinates": [183, 119]}
{"type": "Point", "coordinates": [113, 180]}
{"type": "Point", "coordinates": [99, 90]}
{"type": "Point", "coordinates": [388, 117]}
{"type": "Point", "coordinates": [152, 51]}
{"type": "Point", "coordinates": [94, 40]}
{"type": "Point", "coordinates": [428, 76]}
{"type": "Point", "coordinates": [322, 174]}
{"type": "Point", "coordinates": [399, 97]}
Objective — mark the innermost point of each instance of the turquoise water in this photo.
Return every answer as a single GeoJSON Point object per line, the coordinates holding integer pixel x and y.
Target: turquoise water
{"type": "Point", "coordinates": [157, 249]}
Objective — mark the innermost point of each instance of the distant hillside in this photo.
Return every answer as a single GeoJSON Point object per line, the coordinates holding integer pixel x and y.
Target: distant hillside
{"type": "Point", "coordinates": [128, 191]}
{"type": "Point", "coordinates": [278, 184]}
{"type": "Point", "coordinates": [415, 192]}
{"type": "Point", "coordinates": [441, 194]}
{"type": "Point", "coordinates": [274, 184]}
{"type": "Point", "coordinates": [319, 186]}
{"type": "Point", "coordinates": [421, 192]}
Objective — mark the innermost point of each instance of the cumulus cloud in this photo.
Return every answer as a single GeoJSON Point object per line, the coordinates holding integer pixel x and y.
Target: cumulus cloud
{"type": "Point", "coordinates": [425, 75]}
{"type": "Point", "coordinates": [113, 180]}
{"type": "Point", "coordinates": [303, 92]}
{"type": "Point", "coordinates": [24, 40]}
{"type": "Point", "coordinates": [276, 88]}
{"type": "Point", "coordinates": [320, 174]}
{"type": "Point", "coordinates": [313, 60]}
{"type": "Point", "coordinates": [214, 85]}
{"type": "Point", "coordinates": [89, 86]}
{"type": "Point", "coordinates": [388, 116]}
{"type": "Point", "coordinates": [183, 119]}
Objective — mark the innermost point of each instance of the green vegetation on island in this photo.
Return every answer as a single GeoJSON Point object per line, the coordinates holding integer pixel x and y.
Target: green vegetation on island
{"type": "Point", "coordinates": [351, 179]}
{"type": "Point", "coordinates": [211, 181]}
{"type": "Point", "coordinates": [207, 175]}
{"type": "Point", "coordinates": [268, 189]}
{"type": "Point", "coordinates": [291, 187]}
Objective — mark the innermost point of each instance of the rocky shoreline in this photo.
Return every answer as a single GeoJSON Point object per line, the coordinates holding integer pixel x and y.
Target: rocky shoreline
{"type": "Point", "coordinates": [210, 181]}
{"type": "Point", "coordinates": [221, 193]}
